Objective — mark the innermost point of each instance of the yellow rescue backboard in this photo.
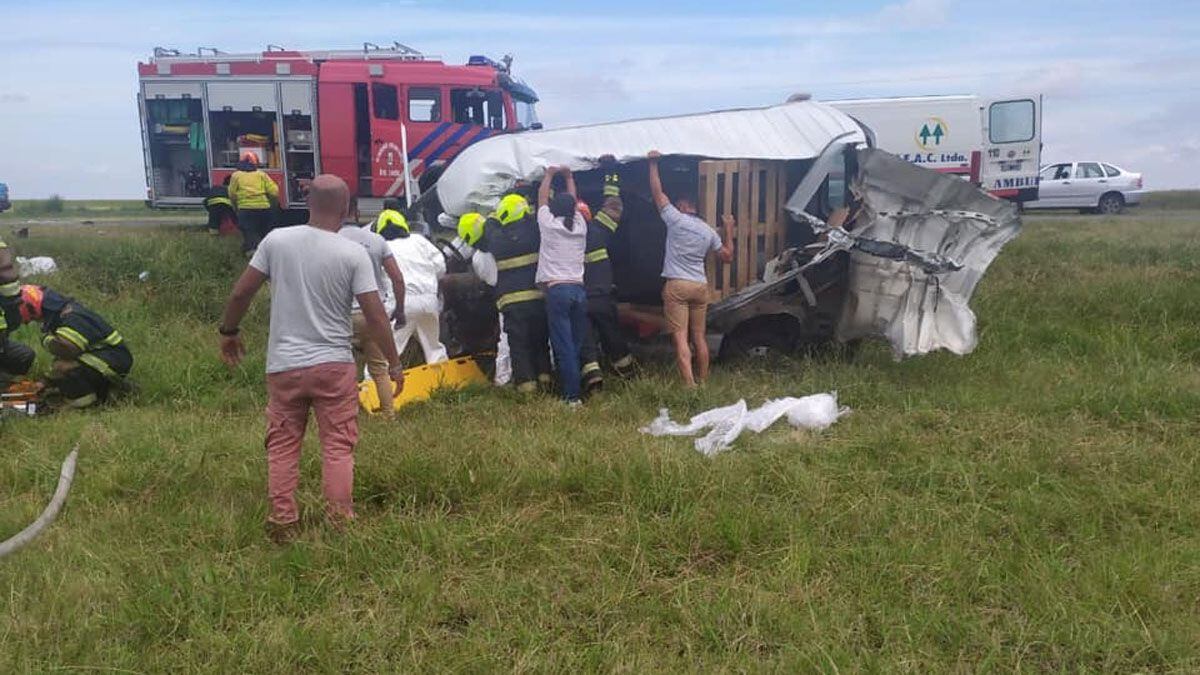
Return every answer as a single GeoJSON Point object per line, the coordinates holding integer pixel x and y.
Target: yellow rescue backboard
{"type": "Point", "coordinates": [420, 382]}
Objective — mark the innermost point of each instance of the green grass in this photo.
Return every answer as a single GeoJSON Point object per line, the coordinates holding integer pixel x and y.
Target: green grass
{"type": "Point", "coordinates": [74, 209]}
{"type": "Point", "coordinates": [1030, 507]}
{"type": "Point", "coordinates": [1172, 199]}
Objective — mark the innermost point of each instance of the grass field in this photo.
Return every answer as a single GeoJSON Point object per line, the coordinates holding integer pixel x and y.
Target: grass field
{"type": "Point", "coordinates": [116, 209]}
{"type": "Point", "coordinates": [1030, 507]}
{"type": "Point", "coordinates": [76, 209]}
{"type": "Point", "coordinates": [1172, 199]}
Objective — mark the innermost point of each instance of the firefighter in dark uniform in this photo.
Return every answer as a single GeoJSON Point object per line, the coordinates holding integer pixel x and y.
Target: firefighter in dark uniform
{"type": "Point", "coordinates": [598, 280]}
{"type": "Point", "coordinates": [511, 236]}
{"type": "Point", "coordinates": [90, 358]}
{"type": "Point", "coordinates": [220, 208]}
{"type": "Point", "coordinates": [15, 358]}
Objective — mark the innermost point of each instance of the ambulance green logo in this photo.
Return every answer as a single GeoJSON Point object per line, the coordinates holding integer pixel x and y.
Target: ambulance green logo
{"type": "Point", "coordinates": [931, 133]}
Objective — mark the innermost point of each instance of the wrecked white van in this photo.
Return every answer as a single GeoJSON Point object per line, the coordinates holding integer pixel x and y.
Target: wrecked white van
{"type": "Point", "coordinates": [834, 240]}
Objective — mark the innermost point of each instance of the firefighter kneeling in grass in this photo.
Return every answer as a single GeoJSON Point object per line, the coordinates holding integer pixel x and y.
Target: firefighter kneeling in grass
{"type": "Point", "coordinates": [90, 358]}
{"type": "Point", "coordinates": [15, 358]}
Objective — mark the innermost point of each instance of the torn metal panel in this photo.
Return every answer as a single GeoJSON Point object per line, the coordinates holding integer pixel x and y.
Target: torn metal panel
{"type": "Point", "coordinates": [922, 242]}
{"type": "Point", "coordinates": [483, 172]}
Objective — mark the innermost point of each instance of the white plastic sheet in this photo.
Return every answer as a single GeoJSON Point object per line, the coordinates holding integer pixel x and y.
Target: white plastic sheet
{"type": "Point", "coordinates": [41, 264]}
{"type": "Point", "coordinates": [726, 424]}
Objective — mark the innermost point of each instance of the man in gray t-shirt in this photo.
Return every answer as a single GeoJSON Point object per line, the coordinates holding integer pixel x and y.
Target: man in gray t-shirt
{"type": "Point", "coordinates": [685, 292]}
{"type": "Point", "coordinates": [315, 276]}
{"type": "Point", "coordinates": [689, 241]}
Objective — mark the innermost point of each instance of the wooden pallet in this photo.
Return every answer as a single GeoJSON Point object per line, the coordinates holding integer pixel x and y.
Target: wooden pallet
{"type": "Point", "coordinates": [754, 192]}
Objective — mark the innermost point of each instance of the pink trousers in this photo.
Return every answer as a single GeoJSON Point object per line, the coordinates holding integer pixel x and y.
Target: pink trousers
{"type": "Point", "coordinates": [330, 390]}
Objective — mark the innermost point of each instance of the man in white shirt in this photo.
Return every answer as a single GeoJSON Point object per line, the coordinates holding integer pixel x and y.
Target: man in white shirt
{"type": "Point", "coordinates": [366, 352]}
{"type": "Point", "coordinates": [560, 273]}
{"type": "Point", "coordinates": [316, 275]}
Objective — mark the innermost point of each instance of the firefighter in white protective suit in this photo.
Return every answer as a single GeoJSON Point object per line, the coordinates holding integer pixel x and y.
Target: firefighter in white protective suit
{"type": "Point", "coordinates": [423, 265]}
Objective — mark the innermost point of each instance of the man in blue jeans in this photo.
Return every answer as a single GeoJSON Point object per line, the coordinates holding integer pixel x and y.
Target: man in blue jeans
{"type": "Point", "coordinates": [560, 272]}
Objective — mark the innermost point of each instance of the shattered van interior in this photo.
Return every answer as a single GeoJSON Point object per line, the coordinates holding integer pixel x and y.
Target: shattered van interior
{"type": "Point", "coordinates": [834, 241]}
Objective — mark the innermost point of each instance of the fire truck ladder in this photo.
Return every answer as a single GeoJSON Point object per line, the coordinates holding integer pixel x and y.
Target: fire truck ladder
{"type": "Point", "coordinates": [369, 52]}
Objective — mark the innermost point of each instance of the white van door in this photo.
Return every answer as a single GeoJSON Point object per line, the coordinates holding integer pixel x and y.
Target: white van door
{"type": "Point", "coordinates": [1012, 146]}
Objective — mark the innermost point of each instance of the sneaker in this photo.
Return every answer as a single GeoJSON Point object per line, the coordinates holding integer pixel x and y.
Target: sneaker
{"type": "Point", "coordinates": [574, 404]}
{"type": "Point", "coordinates": [283, 533]}
{"type": "Point", "coordinates": [625, 366]}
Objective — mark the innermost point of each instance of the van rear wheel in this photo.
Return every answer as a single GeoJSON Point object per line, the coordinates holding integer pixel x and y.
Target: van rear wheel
{"type": "Point", "coordinates": [761, 338]}
{"type": "Point", "coordinates": [1111, 203]}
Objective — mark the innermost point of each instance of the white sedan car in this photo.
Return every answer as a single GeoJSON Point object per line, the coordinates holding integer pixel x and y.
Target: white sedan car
{"type": "Point", "coordinates": [1088, 186]}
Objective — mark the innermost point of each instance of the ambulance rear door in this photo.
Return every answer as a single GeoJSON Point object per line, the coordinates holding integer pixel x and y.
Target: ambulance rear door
{"type": "Point", "coordinates": [1012, 138]}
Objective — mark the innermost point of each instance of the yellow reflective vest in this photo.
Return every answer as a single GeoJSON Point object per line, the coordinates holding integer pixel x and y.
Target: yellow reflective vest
{"type": "Point", "coordinates": [252, 189]}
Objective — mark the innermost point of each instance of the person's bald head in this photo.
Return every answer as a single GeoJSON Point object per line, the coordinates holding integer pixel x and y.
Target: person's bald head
{"type": "Point", "coordinates": [328, 199]}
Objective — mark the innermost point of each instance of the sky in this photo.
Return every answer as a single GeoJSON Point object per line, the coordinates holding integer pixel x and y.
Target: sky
{"type": "Point", "coordinates": [1121, 80]}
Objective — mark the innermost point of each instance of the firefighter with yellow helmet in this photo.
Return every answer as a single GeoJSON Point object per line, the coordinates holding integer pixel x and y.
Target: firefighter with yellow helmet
{"type": "Point", "coordinates": [511, 236]}
{"type": "Point", "coordinates": [15, 358]}
{"type": "Point", "coordinates": [470, 228]}
{"type": "Point", "coordinates": [391, 222]}
{"type": "Point", "coordinates": [423, 265]}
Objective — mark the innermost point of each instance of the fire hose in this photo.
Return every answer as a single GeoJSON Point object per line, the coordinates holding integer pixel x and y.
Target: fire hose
{"type": "Point", "coordinates": [65, 475]}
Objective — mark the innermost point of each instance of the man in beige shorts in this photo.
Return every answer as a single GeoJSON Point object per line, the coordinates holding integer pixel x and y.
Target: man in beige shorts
{"type": "Point", "coordinates": [366, 351]}
{"type": "Point", "coordinates": [685, 293]}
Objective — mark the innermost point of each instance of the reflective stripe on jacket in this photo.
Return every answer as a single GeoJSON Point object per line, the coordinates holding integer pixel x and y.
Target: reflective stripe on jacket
{"type": "Point", "coordinates": [252, 189]}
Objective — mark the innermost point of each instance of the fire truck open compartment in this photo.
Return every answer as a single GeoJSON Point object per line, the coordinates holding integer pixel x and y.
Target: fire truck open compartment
{"type": "Point", "coordinates": [196, 132]}
{"type": "Point", "coordinates": [176, 142]}
{"type": "Point", "coordinates": [244, 120]}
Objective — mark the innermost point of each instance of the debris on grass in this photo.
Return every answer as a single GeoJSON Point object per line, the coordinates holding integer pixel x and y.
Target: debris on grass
{"type": "Point", "coordinates": [726, 424]}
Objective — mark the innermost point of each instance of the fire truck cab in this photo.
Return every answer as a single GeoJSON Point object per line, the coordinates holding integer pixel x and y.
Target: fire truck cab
{"type": "Point", "coordinates": [357, 114]}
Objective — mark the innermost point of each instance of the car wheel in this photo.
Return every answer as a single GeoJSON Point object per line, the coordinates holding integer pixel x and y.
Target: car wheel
{"type": "Point", "coordinates": [762, 338]}
{"type": "Point", "coordinates": [1111, 203]}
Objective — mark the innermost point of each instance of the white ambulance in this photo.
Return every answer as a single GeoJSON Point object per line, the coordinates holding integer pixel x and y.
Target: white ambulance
{"type": "Point", "coordinates": [995, 143]}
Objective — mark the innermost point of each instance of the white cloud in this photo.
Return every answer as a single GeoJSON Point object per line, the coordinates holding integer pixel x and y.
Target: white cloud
{"type": "Point", "coordinates": [1063, 77]}
{"type": "Point", "coordinates": [916, 13]}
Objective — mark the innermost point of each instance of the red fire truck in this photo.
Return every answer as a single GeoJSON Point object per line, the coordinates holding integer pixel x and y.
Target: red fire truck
{"type": "Point", "coordinates": [357, 114]}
